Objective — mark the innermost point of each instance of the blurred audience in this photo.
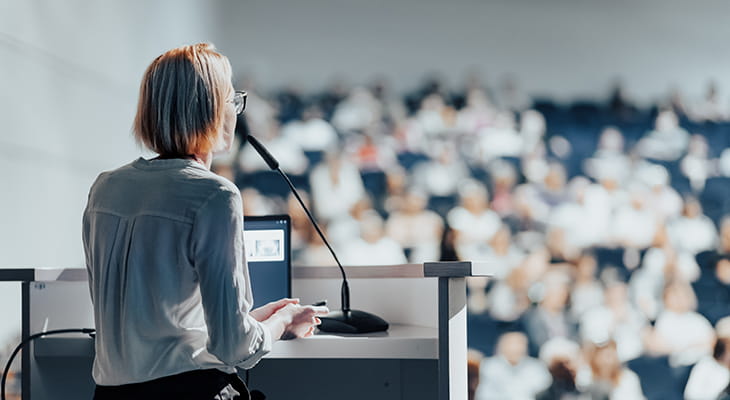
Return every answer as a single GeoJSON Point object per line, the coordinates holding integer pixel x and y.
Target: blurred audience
{"type": "Point", "coordinates": [606, 225]}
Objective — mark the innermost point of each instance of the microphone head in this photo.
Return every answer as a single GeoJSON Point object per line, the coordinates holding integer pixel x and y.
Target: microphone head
{"type": "Point", "coordinates": [242, 128]}
{"type": "Point", "coordinates": [268, 158]}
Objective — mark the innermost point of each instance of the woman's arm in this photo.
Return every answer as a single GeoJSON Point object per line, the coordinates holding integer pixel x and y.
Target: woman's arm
{"type": "Point", "coordinates": [234, 336]}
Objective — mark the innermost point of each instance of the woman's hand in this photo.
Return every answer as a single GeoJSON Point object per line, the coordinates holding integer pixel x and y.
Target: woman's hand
{"type": "Point", "coordinates": [265, 312]}
{"type": "Point", "coordinates": [304, 320]}
{"type": "Point", "coordinates": [295, 321]}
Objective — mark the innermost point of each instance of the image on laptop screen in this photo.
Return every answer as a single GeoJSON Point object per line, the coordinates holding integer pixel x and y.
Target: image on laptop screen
{"type": "Point", "coordinates": [267, 244]}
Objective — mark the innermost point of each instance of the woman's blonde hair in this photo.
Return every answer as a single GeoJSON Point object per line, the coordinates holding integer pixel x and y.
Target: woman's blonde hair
{"type": "Point", "coordinates": [182, 101]}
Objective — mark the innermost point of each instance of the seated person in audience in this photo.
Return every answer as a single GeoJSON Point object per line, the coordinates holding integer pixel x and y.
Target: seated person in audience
{"type": "Point", "coordinates": [504, 178]}
{"type": "Point", "coordinates": [473, 221]}
{"type": "Point", "coordinates": [498, 252]}
{"type": "Point", "coordinates": [661, 264]}
{"type": "Point", "coordinates": [711, 107]}
{"type": "Point", "coordinates": [693, 232]}
{"type": "Point", "coordinates": [610, 157]}
{"type": "Point", "coordinates": [336, 185]}
{"type": "Point", "coordinates": [696, 165]}
{"type": "Point", "coordinates": [710, 377]}
{"type": "Point", "coordinates": [396, 188]}
{"type": "Point", "coordinates": [563, 358]}
{"type": "Point", "coordinates": [534, 165]}
{"type": "Point", "coordinates": [587, 292]}
{"type": "Point", "coordinates": [415, 228]}
{"type": "Point", "coordinates": [713, 290]}
{"type": "Point", "coordinates": [667, 142]}
{"type": "Point", "coordinates": [680, 332]}
{"type": "Point", "coordinates": [371, 153]}
{"type": "Point", "coordinates": [617, 320]}
{"type": "Point", "coordinates": [665, 202]}
{"type": "Point", "coordinates": [476, 114]}
{"type": "Point", "coordinates": [609, 379]}
{"type": "Point", "coordinates": [511, 373]}
{"type": "Point", "coordinates": [435, 118]}
{"type": "Point", "coordinates": [344, 229]}
{"type": "Point", "coordinates": [550, 318]}
{"type": "Point", "coordinates": [529, 213]}
{"type": "Point", "coordinates": [500, 139]}
{"type": "Point", "coordinates": [584, 218]}
{"type": "Point", "coordinates": [532, 130]}
{"type": "Point", "coordinates": [553, 190]}
{"type": "Point", "coordinates": [684, 266]}
{"type": "Point", "coordinates": [507, 301]}
{"type": "Point", "coordinates": [311, 133]}
{"type": "Point", "coordinates": [443, 175]}
{"type": "Point", "coordinates": [357, 112]}
{"type": "Point", "coordinates": [373, 247]}
{"type": "Point", "coordinates": [634, 224]}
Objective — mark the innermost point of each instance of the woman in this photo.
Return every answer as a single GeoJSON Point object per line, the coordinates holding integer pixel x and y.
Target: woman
{"type": "Point", "coordinates": [164, 248]}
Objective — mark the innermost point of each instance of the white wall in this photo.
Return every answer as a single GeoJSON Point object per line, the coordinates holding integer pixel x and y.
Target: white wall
{"type": "Point", "coordinates": [69, 77]}
{"type": "Point", "coordinates": [69, 74]}
{"type": "Point", "coordinates": [563, 48]}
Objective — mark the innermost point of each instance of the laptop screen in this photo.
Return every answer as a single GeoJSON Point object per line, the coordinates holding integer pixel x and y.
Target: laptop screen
{"type": "Point", "coordinates": [267, 243]}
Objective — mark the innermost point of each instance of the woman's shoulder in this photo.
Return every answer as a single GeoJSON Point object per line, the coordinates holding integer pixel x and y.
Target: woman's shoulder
{"type": "Point", "coordinates": [175, 184]}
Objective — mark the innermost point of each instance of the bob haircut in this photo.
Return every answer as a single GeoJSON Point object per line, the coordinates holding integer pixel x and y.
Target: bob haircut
{"type": "Point", "coordinates": [182, 101]}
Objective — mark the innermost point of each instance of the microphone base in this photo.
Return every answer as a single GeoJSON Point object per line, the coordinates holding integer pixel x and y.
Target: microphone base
{"type": "Point", "coordinates": [353, 321]}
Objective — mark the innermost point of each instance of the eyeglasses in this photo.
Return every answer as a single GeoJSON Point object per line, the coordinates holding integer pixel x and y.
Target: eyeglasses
{"type": "Point", "coordinates": [239, 101]}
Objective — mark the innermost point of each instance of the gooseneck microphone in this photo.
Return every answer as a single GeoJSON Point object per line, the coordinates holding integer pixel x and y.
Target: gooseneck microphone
{"type": "Point", "coordinates": [345, 320]}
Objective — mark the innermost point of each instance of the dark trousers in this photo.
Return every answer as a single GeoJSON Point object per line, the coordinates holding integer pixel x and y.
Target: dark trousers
{"type": "Point", "coordinates": [208, 384]}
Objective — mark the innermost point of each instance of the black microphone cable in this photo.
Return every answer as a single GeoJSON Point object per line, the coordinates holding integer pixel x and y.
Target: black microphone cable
{"type": "Point", "coordinates": [86, 331]}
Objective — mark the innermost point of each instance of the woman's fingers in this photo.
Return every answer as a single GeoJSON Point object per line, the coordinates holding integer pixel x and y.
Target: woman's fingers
{"type": "Point", "coordinates": [284, 302]}
{"type": "Point", "coordinates": [320, 311]}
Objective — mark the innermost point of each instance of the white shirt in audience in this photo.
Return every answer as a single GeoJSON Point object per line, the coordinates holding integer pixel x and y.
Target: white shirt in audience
{"type": "Point", "coordinates": [689, 334]}
{"type": "Point", "coordinates": [693, 235]}
{"type": "Point", "coordinates": [707, 380]}
{"type": "Point", "coordinates": [333, 199]}
{"type": "Point", "coordinates": [633, 227]}
{"type": "Point", "coordinates": [420, 232]}
{"type": "Point", "coordinates": [501, 380]}
{"type": "Point", "coordinates": [601, 324]}
{"type": "Point", "coordinates": [311, 135]}
{"type": "Point", "coordinates": [472, 230]}
{"type": "Point", "coordinates": [385, 251]}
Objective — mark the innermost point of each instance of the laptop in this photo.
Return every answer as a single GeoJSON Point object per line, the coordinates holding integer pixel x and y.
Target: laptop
{"type": "Point", "coordinates": [267, 244]}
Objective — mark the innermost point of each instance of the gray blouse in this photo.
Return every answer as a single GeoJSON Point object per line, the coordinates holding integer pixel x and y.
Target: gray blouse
{"type": "Point", "coordinates": [167, 273]}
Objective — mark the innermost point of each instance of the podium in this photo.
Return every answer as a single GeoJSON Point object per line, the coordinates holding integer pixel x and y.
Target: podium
{"type": "Point", "coordinates": [421, 356]}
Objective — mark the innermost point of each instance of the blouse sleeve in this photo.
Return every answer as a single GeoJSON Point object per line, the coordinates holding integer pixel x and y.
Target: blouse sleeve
{"type": "Point", "coordinates": [235, 337]}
